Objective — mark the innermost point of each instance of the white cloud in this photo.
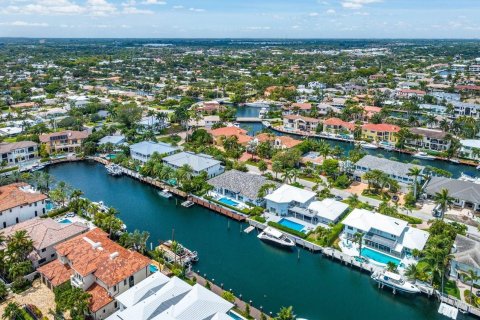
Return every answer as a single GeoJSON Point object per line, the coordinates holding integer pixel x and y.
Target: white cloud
{"type": "Point", "coordinates": [149, 2]}
{"type": "Point", "coordinates": [258, 28]}
{"type": "Point", "coordinates": [313, 14]}
{"type": "Point", "coordinates": [133, 10]}
{"type": "Point", "coordinates": [100, 8]}
{"type": "Point", "coordinates": [178, 7]}
{"type": "Point", "coordinates": [24, 24]}
{"type": "Point", "coordinates": [357, 4]}
{"type": "Point", "coordinates": [330, 12]}
{"type": "Point", "coordinates": [196, 9]}
{"type": "Point", "coordinates": [45, 7]}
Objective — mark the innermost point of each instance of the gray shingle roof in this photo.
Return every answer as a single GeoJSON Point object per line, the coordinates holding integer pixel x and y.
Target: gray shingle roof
{"type": "Point", "coordinates": [459, 189]}
{"type": "Point", "coordinates": [467, 251]}
{"type": "Point", "coordinates": [149, 147]}
{"type": "Point", "coordinates": [391, 167]}
{"type": "Point", "coordinates": [197, 162]}
{"type": "Point", "coordinates": [246, 184]}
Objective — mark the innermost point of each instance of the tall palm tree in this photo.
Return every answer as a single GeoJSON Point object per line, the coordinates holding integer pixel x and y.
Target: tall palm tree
{"type": "Point", "coordinates": [277, 167]}
{"type": "Point", "coordinates": [412, 272]}
{"type": "Point", "coordinates": [358, 238]}
{"type": "Point", "coordinates": [472, 277]}
{"type": "Point", "coordinates": [184, 173]}
{"type": "Point", "coordinates": [12, 311]}
{"type": "Point", "coordinates": [443, 200]}
{"type": "Point", "coordinates": [415, 172]}
{"type": "Point", "coordinates": [285, 314]}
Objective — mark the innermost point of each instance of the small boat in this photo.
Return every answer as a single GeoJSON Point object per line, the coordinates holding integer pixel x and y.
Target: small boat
{"type": "Point", "coordinates": [478, 167]}
{"type": "Point", "coordinates": [276, 237]}
{"type": "Point", "coordinates": [258, 104]}
{"type": "Point", "coordinates": [387, 146]}
{"type": "Point", "coordinates": [187, 204]}
{"type": "Point", "coordinates": [423, 155]}
{"type": "Point", "coordinates": [366, 145]}
{"type": "Point", "coordinates": [394, 281]}
{"type": "Point", "coordinates": [37, 167]}
{"type": "Point", "coordinates": [174, 251]}
{"type": "Point", "coordinates": [101, 206]}
{"type": "Point", "coordinates": [266, 124]}
{"type": "Point", "coordinates": [469, 178]}
{"type": "Point", "coordinates": [114, 169]}
{"type": "Point", "coordinates": [454, 161]}
{"type": "Point", "coordinates": [165, 193]}
{"type": "Point", "coordinates": [263, 112]}
{"type": "Point", "coordinates": [236, 125]}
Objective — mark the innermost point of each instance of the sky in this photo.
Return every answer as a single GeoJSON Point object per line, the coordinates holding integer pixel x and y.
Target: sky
{"type": "Point", "coordinates": [240, 18]}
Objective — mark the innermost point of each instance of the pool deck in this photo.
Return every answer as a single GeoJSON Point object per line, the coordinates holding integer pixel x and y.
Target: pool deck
{"type": "Point", "coordinates": [274, 218]}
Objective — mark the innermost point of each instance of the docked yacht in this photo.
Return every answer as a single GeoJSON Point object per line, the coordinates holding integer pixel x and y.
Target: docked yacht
{"type": "Point", "coordinates": [258, 104]}
{"type": "Point", "coordinates": [276, 237]}
{"type": "Point", "coordinates": [114, 169]}
{"type": "Point", "coordinates": [165, 193]}
{"type": "Point", "coordinates": [469, 178]}
{"type": "Point", "coordinates": [423, 155]}
{"type": "Point", "coordinates": [37, 167]}
{"type": "Point", "coordinates": [394, 281]}
{"type": "Point", "coordinates": [267, 124]}
{"type": "Point", "coordinates": [387, 146]}
{"type": "Point", "coordinates": [366, 145]}
{"type": "Point", "coordinates": [263, 113]}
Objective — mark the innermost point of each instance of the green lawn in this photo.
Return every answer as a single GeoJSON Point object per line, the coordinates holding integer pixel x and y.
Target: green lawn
{"type": "Point", "coordinates": [450, 288]}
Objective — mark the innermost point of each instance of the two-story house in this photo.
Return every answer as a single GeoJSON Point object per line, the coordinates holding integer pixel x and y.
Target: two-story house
{"type": "Point", "coordinates": [197, 162]}
{"type": "Point", "coordinates": [18, 152]}
{"type": "Point", "coordinates": [20, 202]}
{"type": "Point", "coordinates": [287, 197]}
{"type": "Point", "coordinates": [383, 233]}
{"type": "Point", "coordinates": [300, 123]}
{"type": "Point", "coordinates": [63, 141]}
{"type": "Point", "coordinates": [142, 151]}
{"type": "Point", "coordinates": [430, 139]}
{"type": "Point", "coordinates": [337, 126]}
{"type": "Point", "coordinates": [380, 132]}
{"type": "Point", "coordinates": [97, 265]}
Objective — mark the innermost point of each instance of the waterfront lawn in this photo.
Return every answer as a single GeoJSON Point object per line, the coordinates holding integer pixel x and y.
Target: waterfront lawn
{"type": "Point", "coordinates": [376, 196]}
{"type": "Point", "coordinates": [450, 288]}
{"type": "Point", "coordinates": [172, 139]}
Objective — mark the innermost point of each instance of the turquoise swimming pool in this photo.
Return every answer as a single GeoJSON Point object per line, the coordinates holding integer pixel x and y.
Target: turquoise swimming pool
{"type": "Point", "coordinates": [378, 256]}
{"type": "Point", "coordinates": [65, 221]}
{"type": "Point", "coordinates": [290, 224]}
{"type": "Point", "coordinates": [153, 268]}
{"type": "Point", "coordinates": [228, 202]}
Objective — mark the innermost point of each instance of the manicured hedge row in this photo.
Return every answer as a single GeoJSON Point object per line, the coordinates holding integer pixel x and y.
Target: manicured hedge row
{"type": "Point", "coordinates": [286, 229]}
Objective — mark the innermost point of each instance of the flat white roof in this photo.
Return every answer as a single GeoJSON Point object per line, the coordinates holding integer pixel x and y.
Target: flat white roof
{"type": "Point", "coordinates": [287, 194]}
{"type": "Point", "coordinates": [414, 238]}
{"type": "Point", "coordinates": [472, 143]}
{"type": "Point", "coordinates": [330, 209]}
{"type": "Point", "coordinates": [137, 292]}
{"type": "Point", "coordinates": [365, 220]}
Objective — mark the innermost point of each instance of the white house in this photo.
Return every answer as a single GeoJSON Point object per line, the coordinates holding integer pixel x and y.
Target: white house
{"type": "Point", "coordinates": [115, 140]}
{"type": "Point", "coordinates": [17, 152]}
{"type": "Point", "coordinates": [20, 202]}
{"type": "Point", "coordinates": [198, 162]}
{"type": "Point", "coordinates": [469, 148]}
{"type": "Point", "coordinates": [159, 297]}
{"type": "Point", "coordinates": [383, 233]}
{"type": "Point", "coordinates": [142, 151]}
{"type": "Point", "coordinates": [287, 197]}
{"type": "Point", "coordinates": [328, 210]}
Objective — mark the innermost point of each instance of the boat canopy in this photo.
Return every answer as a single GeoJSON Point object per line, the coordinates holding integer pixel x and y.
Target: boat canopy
{"type": "Point", "coordinates": [393, 276]}
{"type": "Point", "coordinates": [273, 232]}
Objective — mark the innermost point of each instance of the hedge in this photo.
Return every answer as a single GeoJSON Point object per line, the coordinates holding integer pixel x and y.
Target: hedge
{"type": "Point", "coordinates": [9, 169]}
{"type": "Point", "coordinates": [286, 229]}
{"type": "Point", "coordinates": [57, 212]}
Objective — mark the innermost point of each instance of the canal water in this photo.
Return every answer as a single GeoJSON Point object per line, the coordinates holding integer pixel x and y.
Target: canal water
{"type": "Point", "coordinates": [455, 169]}
{"type": "Point", "coordinates": [316, 287]}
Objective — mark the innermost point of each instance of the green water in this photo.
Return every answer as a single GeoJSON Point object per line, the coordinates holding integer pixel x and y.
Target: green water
{"type": "Point", "coordinates": [317, 287]}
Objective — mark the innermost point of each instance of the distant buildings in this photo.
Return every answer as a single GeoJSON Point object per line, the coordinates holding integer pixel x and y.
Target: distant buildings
{"type": "Point", "coordinates": [470, 148]}
{"type": "Point", "coordinates": [97, 265]}
{"type": "Point", "coordinates": [225, 132]}
{"type": "Point", "coordinates": [18, 152]}
{"type": "Point", "coordinates": [63, 141]}
{"type": "Point", "coordinates": [142, 151]}
{"type": "Point", "coordinates": [198, 162]}
{"type": "Point", "coordinates": [20, 202]}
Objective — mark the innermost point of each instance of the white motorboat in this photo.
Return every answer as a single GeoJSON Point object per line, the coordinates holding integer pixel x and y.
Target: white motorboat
{"type": "Point", "coordinates": [387, 146]}
{"type": "Point", "coordinates": [114, 169]}
{"type": "Point", "coordinates": [366, 145]}
{"type": "Point", "coordinates": [263, 113]}
{"type": "Point", "coordinates": [423, 155]}
{"type": "Point", "coordinates": [258, 104]}
{"type": "Point", "coordinates": [236, 125]}
{"type": "Point", "coordinates": [266, 124]}
{"type": "Point", "coordinates": [165, 193]}
{"type": "Point", "coordinates": [478, 167]}
{"type": "Point", "coordinates": [394, 281]}
{"type": "Point", "coordinates": [37, 167]}
{"type": "Point", "coordinates": [454, 161]}
{"type": "Point", "coordinates": [187, 204]}
{"type": "Point", "coordinates": [276, 237]}
{"type": "Point", "coordinates": [469, 178]}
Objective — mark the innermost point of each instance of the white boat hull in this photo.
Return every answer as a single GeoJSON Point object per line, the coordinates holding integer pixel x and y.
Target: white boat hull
{"type": "Point", "coordinates": [405, 287]}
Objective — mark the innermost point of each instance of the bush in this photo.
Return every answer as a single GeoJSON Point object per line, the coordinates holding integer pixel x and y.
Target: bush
{"type": "Point", "coordinates": [8, 169]}
{"type": "Point", "coordinates": [288, 230]}
{"type": "Point", "coordinates": [259, 219]}
{"type": "Point", "coordinates": [56, 212]}
{"type": "Point", "coordinates": [20, 284]}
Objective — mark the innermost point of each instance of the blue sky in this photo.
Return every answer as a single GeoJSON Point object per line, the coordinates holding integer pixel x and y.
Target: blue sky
{"type": "Point", "coordinates": [241, 18]}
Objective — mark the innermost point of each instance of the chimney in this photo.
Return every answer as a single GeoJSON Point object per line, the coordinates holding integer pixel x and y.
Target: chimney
{"type": "Point", "coordinates": [114, 255]}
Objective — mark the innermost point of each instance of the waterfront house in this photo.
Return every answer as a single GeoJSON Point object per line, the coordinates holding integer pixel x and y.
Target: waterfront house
{"type": "Point", "coordinates": [159, 297]}
{"type": "Point", "coordinates": [225, 132]}
{"type": "Point", "coordinates": [325, 212]}
{"type": "Point", "coordinates": [198, 162]}
{"type": "Point", "coordinates": [210, 121]}
{"type": "Point", "coordinates": [433, 109]}
{"type": "Point", "coordinates": [97, 265]}
{"type": "Point", "coordinates": [240, 186]}
{"type": "Point", "coordinates": [300, 123]}
{"type": "Point", "coordinates": [63, 141]}
{"type": "Point", "coordinates": [466, 194]}
{"type": "Point", "coordinates": [18, 152]}
{"type": "Point", "coordinates": [380, 132]}
{"type": "Point", "coordinates": [430, 139]}
{"type": "Point", "coordinates": [466, 109]}
{"type": "Point", "coordinates": [152, 123]}
{"type": "Point", "coordinates": [142, 151]}
{"type": "Point", "coordinates": [384, 233]}
{"type": "Point", "coordinates": [369, 112]}
{"type": "Point", "coordinates": [287, 197]}
{"type": "Point", "coordinates": [277, 142]}
{"type": "Point", "coordinates": [338, 126]}
{"type": "Point", "coordinates": [46, 234]}
{"type": "Point", "coordinates": [466, 256]}
{"type": "Point", "coordinates": [210, 107]}
{"type": "Point", "coordinates": [395, 170]}
{"type": "Point", "coordinates": [20, 202]}
{"type": "Point", "coordinates": [114, 140]}
{"type": "Point", "coordinates": [410, 93]}
{"type": "Point", "coordinates": [470, 148]}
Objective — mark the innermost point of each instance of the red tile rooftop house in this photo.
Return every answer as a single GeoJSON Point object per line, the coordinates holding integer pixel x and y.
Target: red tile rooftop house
{"type": "Point", "coordinates": [97, 265]}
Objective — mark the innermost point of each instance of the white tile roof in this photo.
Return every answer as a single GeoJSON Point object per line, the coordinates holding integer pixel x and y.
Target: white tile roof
{"type": "Point", "coordinates": [198, 162]}
{"type": "Point", "coordinates": [328, 208]}
{"type": "Point", "coordinates": [287, 194]}
{"type": "Point", "coordinates": [365, 220]}
{"type": "Point", "coordinates": [149, 147]}
{"type": "Point", "coordinates": [414, 238]}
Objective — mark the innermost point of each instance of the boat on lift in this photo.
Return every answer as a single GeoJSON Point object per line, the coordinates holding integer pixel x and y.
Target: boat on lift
{"type": "Point", "coordinates": [276, 237]}
{"type": "Point", "coordinates": [165, 193]}
{"type": "Point", "coordinates": [469, 178]}
{"type": "Point", "coordinates": [423, 156]}
{"type": "Point", "coordinates": [37, 167]}
{"type": "Point", "coordinates": [394, 281]}
{"type": "Point", "coordinates": [114, 169]}
{"type": "Point", "coordinates": [387, 146]}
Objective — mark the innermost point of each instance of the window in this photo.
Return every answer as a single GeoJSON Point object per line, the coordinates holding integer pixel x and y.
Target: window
{"type": "Point", "coordinates": [115, 304]}
{"type": "Point", "coordinates": [16, 219]}
{"type": "Point", "coordinates": [125, 282]}
{"type": "Point", "coordinates": [44, 249]}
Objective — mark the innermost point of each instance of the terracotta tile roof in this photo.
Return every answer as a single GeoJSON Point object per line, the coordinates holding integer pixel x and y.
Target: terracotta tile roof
{"type": "Point", "coordinates": [70, 133]}
{"type": "Point", "coordinates": [46, 232]}
{"type": "Point", "coordinates": [288, 141]}
{"type": "Point", "coordinates": [419, 92]}
{"type": "Point", "coordinates": [91, 252]}
{"type": "Point", "coordinates": [302, 106]}
{"type": "Point", "coordinates": [56, 272]}
{"type": "Point", "coordinates": [8, 147]}
{"type": "Point", "coordinates": [339, 122]}
{"type": "Point", "coordinates": [17, 194]}
{"type": "Point", "coordinates": [100, 297]}
{"type": "Point", "coordinates": [263, 137]}
{"type": "Point", "coordinates": [241, 134]}
{"type": "Point", "coordinates": [23, 105]}
{"type": "Point", "coordinates": [295, 117]}
{"type": "Point", "coordinates": [372, 109]}
{"type": "Point", "coordinates": [468, 87]}
{"type": "Point", "coordinates": [384, 127]}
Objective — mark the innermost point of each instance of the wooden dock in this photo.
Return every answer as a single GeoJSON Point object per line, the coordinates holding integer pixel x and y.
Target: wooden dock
{"type": "Point", "coordinates": [215, 207]}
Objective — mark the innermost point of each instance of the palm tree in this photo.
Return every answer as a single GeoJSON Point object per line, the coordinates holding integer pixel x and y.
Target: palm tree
{"type": "Point", "coordinates": [184, 173]}
{"type": "Point", "coordinates": [277, 167]}
{"type": "Point", "coordinates": [415, 172]}
{"type": "Point", "coordinates": [264, 190]}
{"type": "Point", "coordinates": [391, 266]}
{"type": "Point", "coordinates": [412, 272]}
{"type": "Point", "coordinates": [353, 200]}
{"type": "Point", "coordinates": [287, 176]}
{"type": "Point", "coordinates": [472, 277]}
{"type": "Point", "coordinates": [358, 238]}
{"type": "Point", "coordinates": [285, 314]}
{"type": "Point", "coordinates": [12, 311]}
{"type": "Point", "coordinates": [443, 200]}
